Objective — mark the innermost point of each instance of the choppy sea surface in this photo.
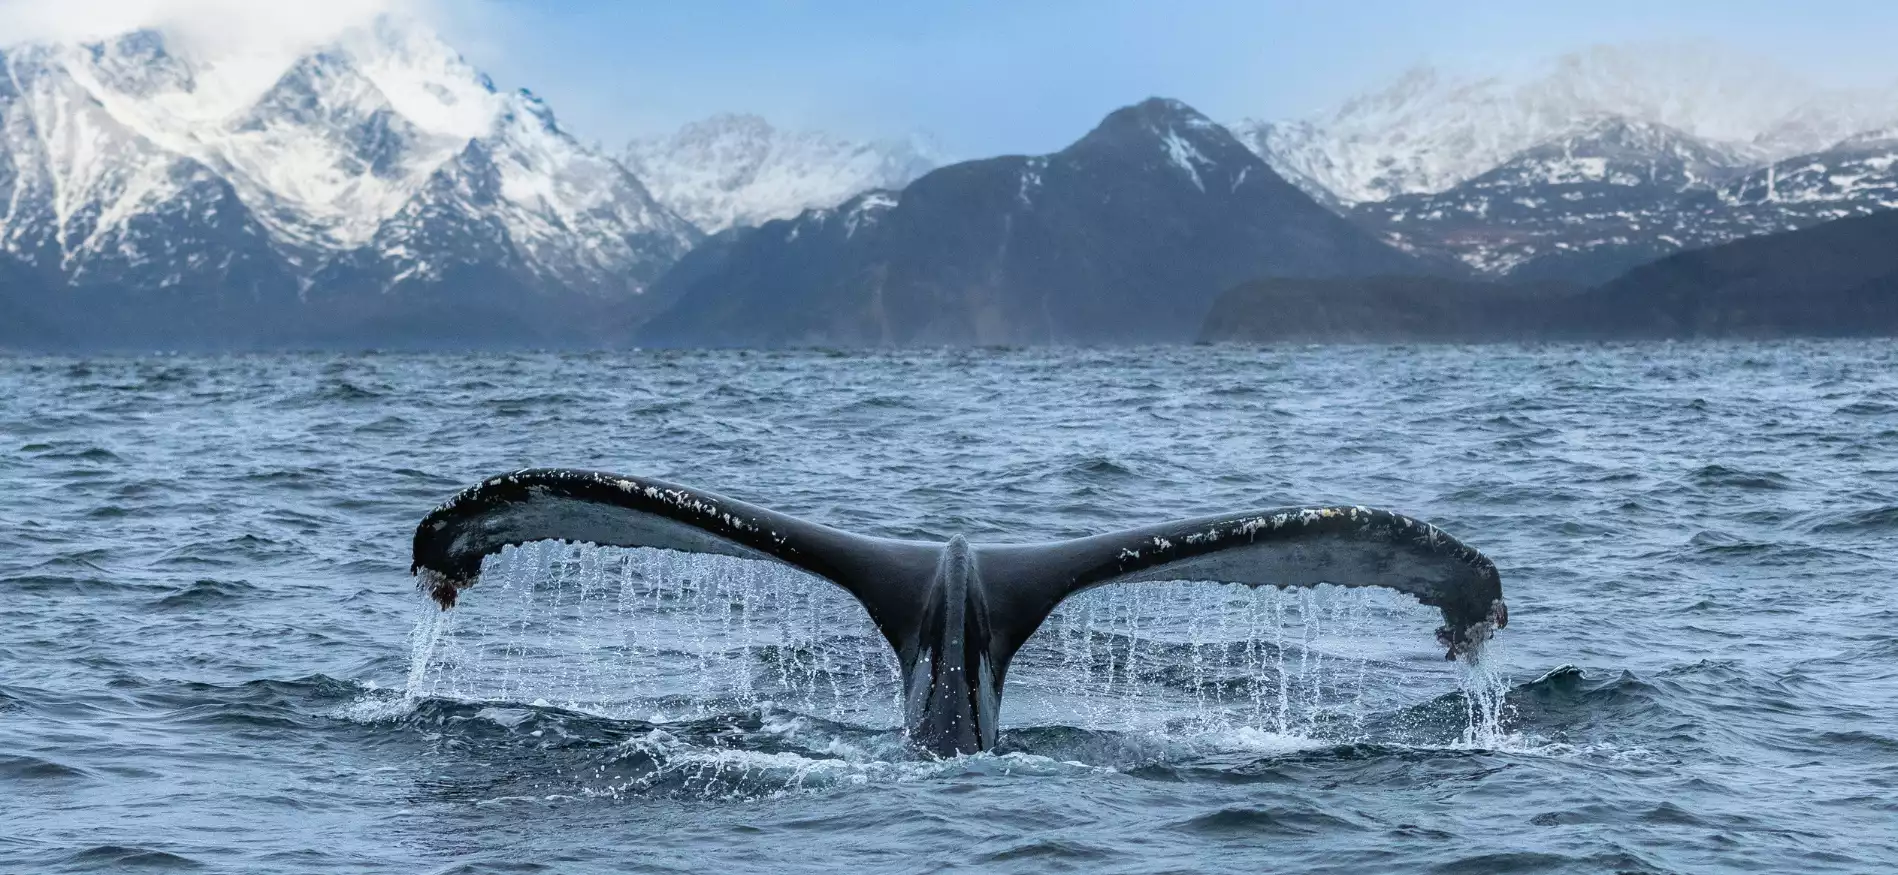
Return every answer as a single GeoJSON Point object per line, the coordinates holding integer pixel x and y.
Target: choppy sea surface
{"type": "Point", "coordinates": [212, 657]}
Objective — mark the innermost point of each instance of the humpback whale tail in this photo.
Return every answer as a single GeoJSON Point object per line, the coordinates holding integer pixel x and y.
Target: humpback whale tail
{"type": "Point", "coordinates": [956, 613]}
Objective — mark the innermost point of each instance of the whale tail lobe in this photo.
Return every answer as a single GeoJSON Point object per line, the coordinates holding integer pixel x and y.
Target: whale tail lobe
{"type": "Point", "coordinates": [888, 577]}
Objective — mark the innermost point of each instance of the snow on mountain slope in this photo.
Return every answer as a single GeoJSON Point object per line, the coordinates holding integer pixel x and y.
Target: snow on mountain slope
{"type": "Point", "coordinates": [1587, 206]}
{"type": "Point", "coordinates": [552, 211]}
{"type": "Point", "coordinates": [1854, 178]}
{"type": "Point", "coordinates": [424, 78]}
{"type": "Point", "coordinates": [732, 170]}
{"type": "Point", "coordinates": [342, 158]}
{"type": "Point", "coordinates": [1432, 129]}
{"type": "Point", "coordinates": [79, 176]}
{"type": "Point", "coordinates": [325, 156]}
{"type": "Point", "coordinates": [1828, 120]}
{"type": "Point", "coordinates": [1581, 207]}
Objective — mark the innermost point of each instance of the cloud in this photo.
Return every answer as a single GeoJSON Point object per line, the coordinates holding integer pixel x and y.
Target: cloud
{"type": "Point", "coordinates": [238, 48]}
{"type": "Point", "coordinates": [210, 27]}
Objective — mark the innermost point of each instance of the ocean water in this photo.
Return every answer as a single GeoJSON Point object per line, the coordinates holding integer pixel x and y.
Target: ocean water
{"type": "Point", "coordinates": [212, 657]}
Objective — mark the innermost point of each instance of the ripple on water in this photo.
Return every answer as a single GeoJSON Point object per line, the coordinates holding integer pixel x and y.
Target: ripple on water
{"type": "Point", "coordinates": [107, 858]}
{"type": "Point", "coordinates": [1250, 821]}
{"type": "Point", "coordinates": [1878, 519]}
{"type": "Point", "coordinates": [205, 613]}
{"type": "Point", "coordinates": [1734, 478]}
{"type": "Point", "coordinates": [207, 592]}
{"type": "Point", "coordinates": [35, 769]}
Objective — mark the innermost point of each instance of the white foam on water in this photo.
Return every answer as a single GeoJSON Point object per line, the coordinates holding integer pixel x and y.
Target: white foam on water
{"type": "Point", "coordinates": [375, 706]}
{"type": "Point", "coordinates": [679, 768]}
{"type": "Point", "coordinates": [1247, 739]}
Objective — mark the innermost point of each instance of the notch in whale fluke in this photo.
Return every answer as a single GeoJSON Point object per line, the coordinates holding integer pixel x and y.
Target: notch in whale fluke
{"type": "Point", "coordinates": [956, 613]}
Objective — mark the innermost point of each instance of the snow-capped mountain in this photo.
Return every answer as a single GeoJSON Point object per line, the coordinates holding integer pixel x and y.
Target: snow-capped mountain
{"type": "Point", "coordinates": [1581, 207]}
{"type": "Point", "coordinates": [1587, 206]}
{"type": "Point", "coordinates": [1432, 129]}
{"type": "Point", "coordinates": [383, 158]}
{"type": "Point", "coordinates": [1602, 160]}
{"type": "Point", "coordinates": [529, 199]}
{"type": "Point", "coordinates": [92, 207]}
{"type": "Point", "coordinates": [739, 170]}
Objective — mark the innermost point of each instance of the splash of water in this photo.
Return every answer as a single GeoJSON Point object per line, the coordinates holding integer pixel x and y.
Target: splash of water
{"type": "Point", "coordinates": [1487, 712]}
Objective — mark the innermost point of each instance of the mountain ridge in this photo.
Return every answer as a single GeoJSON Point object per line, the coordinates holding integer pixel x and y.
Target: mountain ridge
{"type": "Point", "coordinates": [1599, 161]}
{"type": "Point", "coordinates": [1837, 279]}
{"type": "Point", "coordinates": [1120, 237]}
{"type": "Point", "coordinates": [733, 169]}
{"type": "Point", "coordinates": [380, 189]}
{"type": "Point", "coordinates": [1584, 208]}
{"type": "Point", "coordinates": [354, 170]}
{"type": "Point", "coordinates": [1431, 130]}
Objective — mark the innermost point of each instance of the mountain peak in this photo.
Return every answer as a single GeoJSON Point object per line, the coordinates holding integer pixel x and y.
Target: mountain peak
{"type": "Point", "coordinates": [1181, 133]}
{"type": "Point", "coordinates": [323, 87]}
{"type": "Point", "coordinates": [139, 64]}
{"type": "Point", "coordinates": [526, 103]}
{"type": "Point", "coordinates": [1431, 129]}
{"type": "Point", "coordinates": [1160, 131]}
{"type": "Point", "coordinates": [1619, 138]}
{"type": "Point", "coordinates": [424, 78]}
{"type": "Point", "coordinates": [742, 125]}
{"type": "Point", "coordinates": [1877, 138]}
{"type": "Point", "coordinates": [1153, 117]}
{"type": "Point", "coordinates": [377, 166]}
{"type": "Point", "coordinates": [144, 44]}
{"type": "Point", "coordinates": [1169, 108]}
{"type": "Point", "coordinates": [737, 169]}
{"type": "Point", "coordinates": [1416, 83]}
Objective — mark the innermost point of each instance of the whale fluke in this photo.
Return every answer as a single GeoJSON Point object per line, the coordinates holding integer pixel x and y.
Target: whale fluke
{"type": "Point", "coordinates": [956, 613]}
{"type": "Point", "coordinates": [550, 504]}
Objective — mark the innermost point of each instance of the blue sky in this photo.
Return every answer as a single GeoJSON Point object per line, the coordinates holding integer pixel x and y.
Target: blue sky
{"type": "Point", "coordinates": [987, 77]}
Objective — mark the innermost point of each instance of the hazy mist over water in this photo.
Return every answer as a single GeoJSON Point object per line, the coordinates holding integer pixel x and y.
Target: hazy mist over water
{"type": "Point", "coordinates": [213, 657]}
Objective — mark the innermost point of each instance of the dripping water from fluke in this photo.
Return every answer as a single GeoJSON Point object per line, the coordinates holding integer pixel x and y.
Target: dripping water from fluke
{"type": "Point", "coordinates": [1487, 712]}
{"type": "Point", "coordinates": [659, 636]}
{"type": "Point", "coordinates": [1207, 660]}
{"type": "Point", "coordinates": [1149, 671]}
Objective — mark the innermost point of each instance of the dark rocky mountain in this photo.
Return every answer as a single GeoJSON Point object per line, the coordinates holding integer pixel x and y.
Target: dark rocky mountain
{"type": "Point", "coordinates": [1124, 236]}
{"type": "Point", "coordinates": [1836, 279]}
{"type": "Point", "coordinates": [21, 328]}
